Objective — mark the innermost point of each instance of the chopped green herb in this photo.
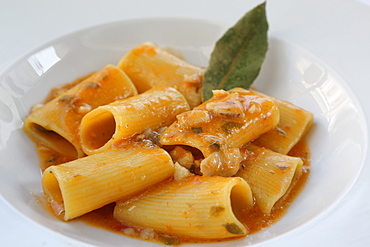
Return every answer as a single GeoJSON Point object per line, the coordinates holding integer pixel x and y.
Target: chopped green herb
{"type": "Point", "coordinates": [92, 85]}
{"type": "Point", "coordinates": [167, 240]}
{"type": "Point", "coordinates": [216, 211]}
{"type": "Point", "coordinates": [197, 130]}
{"type": "Point", "coordinates": [233, 228]}
{"type": "Point", "coordinates": [229, 126]}
{"type": "Point", "coordinates": [215, 146]}
{"type": "Point", "coordinates": [65, 98]}
{"type": "Point", "coordinates": [51, 159]}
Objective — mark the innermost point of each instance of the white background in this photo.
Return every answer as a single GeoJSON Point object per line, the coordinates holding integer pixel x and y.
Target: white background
{"type": "Point", "coordinates": [27, 24]}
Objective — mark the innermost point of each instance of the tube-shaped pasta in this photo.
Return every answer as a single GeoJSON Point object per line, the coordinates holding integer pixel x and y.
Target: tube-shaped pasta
{"type": "Point", "coordinates": [88, 183]}
{"type": "Point", "coordinates": [220, 126]}
{"type": "Point", "coordinates": [206, 207]}
{"type": "Point", "coordinates": [149, 66]}
{"type": "Point", "coordinates": [152, 109]}
{"type": "Point", "coordinates": [293, 125]}
{"type": "Point", "coordinates": [56, 123]}
{"type": "Point", "coordinates": [269, 174]}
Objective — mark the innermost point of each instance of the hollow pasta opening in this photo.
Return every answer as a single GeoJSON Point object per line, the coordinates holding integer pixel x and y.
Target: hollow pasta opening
{"type": "Point", "coordinates": [53, 193]}
{"type": "Point", "coordinates": [54, 140]}
{"type": "Point", "coordinates": [95, 134]}
{"type": "Point", "coordinates": [241, 201]}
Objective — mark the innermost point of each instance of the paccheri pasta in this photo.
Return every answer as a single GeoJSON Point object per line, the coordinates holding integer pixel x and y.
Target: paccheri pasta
{"type": "Point", "coordinates": [187, 172]}
{"type": "Point", "coordinates": [134, 144]}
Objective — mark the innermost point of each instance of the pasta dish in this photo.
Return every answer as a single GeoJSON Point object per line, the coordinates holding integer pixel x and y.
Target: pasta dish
{"type": "Point", "coordinates": [135, 139]}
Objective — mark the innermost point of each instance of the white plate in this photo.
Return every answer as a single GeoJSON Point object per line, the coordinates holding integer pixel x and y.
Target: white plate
{"type": "Point", "coordinates": [337, 141]}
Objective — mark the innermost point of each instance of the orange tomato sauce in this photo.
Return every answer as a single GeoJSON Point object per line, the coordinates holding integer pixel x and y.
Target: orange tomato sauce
{"type": "Point", "coordinates": [254, 219]}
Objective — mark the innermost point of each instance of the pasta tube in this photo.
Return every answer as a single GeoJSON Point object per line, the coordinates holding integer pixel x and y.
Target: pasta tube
{"type": "Point", "coordinates": [149, 66]}
{"type": "Point", "coordinates": [206, 207]}
{"type": "Point", "coordinates": [220, 126]}
{"type": "Point", "coordinates": [269, 174]}
{"type": "Point", "coordinates": [88, 183]}
{"type": "Point", "coordinates": [293, 125]}
{"type": "Point", "coordinates": [107, 124]}
{"type": "Point", "coordinates": [56, 123]}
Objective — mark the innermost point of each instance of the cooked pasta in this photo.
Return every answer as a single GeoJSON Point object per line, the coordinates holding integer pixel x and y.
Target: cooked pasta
{"type": "Point", "coordinates": [269, 174]}
{"type": "Point", "coordinates": [107, 124]}
{"type": "Point", "coordinates": [142, 143]}
{"type": "Point", "coordinates": [209, 207]}
{"type": "Point", "coordinates": [56, 123]}
{"type": "Point", "coordinates": [294, 123]}
{"type": "Point", "coordinates": [220, 126]}
{"type": "Point", "coordinates": [150, 66]}
{"type": "Point", "coordinates": [80, 186]}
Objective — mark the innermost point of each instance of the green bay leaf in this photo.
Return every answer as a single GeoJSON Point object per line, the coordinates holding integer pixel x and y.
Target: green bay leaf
{"type": "Point", "coordinates": [238, 55]}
